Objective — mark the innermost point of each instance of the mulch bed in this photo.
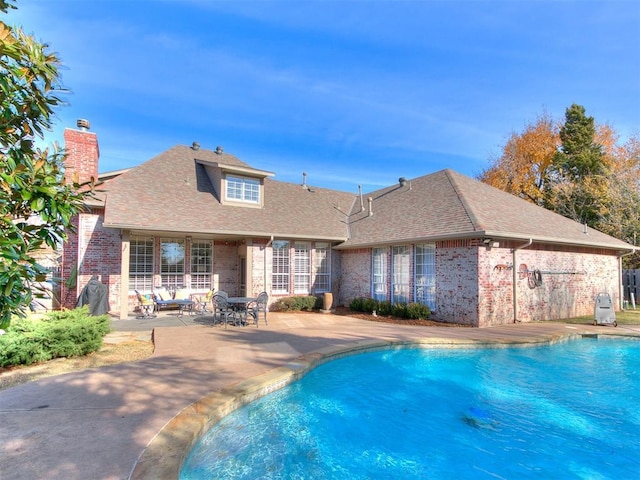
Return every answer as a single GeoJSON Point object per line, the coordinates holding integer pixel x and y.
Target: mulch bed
{"type": "Point", "coordinates": [344, 311]}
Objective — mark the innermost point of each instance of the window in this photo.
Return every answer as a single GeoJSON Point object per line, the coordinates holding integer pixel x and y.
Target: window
{"type": "Point", "coordinates": [322, 267]}
{"type": "Point", "coordinates": [243, 189]}
{"type": "Point", "coordinates": [280, 273]}
{"type": "Point", "coordinates": [201, 265]}
{"type": "Point", "coordinates": [172, 263]}
{"type": "Point", "coordinates": [379, 273]}
{"type": "Point", "coordinates": [141, 264]}
{"type": "Point", "coordinates": [425, 275]}
{"type": "Point", "coordinates": [401, 274]}
{"type": "Point", "coordinates": [301, 267]}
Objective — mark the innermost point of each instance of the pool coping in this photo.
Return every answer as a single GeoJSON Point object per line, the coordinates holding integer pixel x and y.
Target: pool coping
{"type": "Point", "coordinates": [165, 454]}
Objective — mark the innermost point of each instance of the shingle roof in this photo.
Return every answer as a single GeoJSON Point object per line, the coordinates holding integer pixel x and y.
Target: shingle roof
{"type": "Point", "coordinates": [447, 204]}
{"type": "Point", "coordinates": [172, 192]}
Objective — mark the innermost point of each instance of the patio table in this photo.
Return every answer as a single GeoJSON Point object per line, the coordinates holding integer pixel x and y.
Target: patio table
{"type": "Point", "coordinates": [240, 305]}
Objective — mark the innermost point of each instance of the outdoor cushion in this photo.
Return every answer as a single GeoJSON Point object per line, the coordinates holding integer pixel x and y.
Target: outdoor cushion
{"type": "Point", "coordinates": [162, 294]}
{"type": "Point", "coordinates": [182, 294]}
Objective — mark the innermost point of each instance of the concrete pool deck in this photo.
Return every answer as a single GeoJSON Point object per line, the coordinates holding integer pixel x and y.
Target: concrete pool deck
{"type": "Point", "coordinates": [136, 420]}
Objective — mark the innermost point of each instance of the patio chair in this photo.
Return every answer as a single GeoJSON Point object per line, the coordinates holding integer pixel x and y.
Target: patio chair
{"type": "Point", "coordinates": [201, 302]}
{"type": "Point", "coordinates": [222, 309]}
{"type": "Point", "coordinates": [261, 304]}
{"type": "Point", "coordinates": [146, 305]}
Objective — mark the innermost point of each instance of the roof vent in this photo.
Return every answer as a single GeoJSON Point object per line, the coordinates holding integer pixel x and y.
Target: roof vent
{"type": "Point", "coordinates": [83, 124]}
{"type": "Point", "coordinates": [195, 146]}
{"type": "Point", "coordinates": [219, 150]}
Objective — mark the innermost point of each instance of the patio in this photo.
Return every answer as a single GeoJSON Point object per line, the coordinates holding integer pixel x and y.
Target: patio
{"type": "Point", "coordinates": [134, 420]}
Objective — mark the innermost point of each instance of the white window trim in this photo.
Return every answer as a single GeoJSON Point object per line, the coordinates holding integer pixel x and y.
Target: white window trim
{"type": "Point", "coordinates": [245, 183]}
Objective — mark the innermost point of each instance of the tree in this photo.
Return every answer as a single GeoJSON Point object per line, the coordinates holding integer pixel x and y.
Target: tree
{"type": "Point", "coordinates": [622, 219]}
{"type": "Point", "coordinates": [36, 206]}
{"type": "Point", "coordinates": [523, 167]}
{"type": "Point", "coordinates": [576, 169]}
{"type": "Point", "coordinates": [578, 175]}
{"type": "Point", "coordinates": [579, 156]}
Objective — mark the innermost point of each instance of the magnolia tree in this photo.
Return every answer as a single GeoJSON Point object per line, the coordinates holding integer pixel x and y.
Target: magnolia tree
{"type": "Point", "coordinates": [32, 185]}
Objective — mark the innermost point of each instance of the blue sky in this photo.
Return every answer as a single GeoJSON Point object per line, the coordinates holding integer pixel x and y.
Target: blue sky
{"type": "Point", "coordinates": [351, 92]}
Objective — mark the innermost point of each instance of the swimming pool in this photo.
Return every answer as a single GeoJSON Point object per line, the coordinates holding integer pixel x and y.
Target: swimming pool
{"type": "Point", "coordinates": [561, 411]}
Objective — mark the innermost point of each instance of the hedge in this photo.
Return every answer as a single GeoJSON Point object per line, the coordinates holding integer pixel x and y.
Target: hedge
{"type": "Point", "coordinates": [412, 311]}
{"type": "Point", "coordinates": [290, 304]}
{"type": "Point", "coordinates": [68, 333]}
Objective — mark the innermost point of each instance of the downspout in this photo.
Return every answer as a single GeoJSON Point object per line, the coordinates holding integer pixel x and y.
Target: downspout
{"type": "Point", "coordinates": [620, 291]}
{"type": "Point", "coordinates": [265, 264]}
{"type": "Point", "coordinates": [515, 278]}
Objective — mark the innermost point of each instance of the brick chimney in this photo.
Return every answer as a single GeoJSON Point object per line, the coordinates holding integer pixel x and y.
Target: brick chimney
{"type": "Point", "coordinates": [82, 151]}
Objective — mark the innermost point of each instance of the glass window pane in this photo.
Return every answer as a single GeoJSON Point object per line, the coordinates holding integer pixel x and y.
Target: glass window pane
{"type": "Point", "coordinates": [302, 267]}
{"type": "Point", "coordinates": [172, 262]}
{"type": "Point", "coordinates": [401, 274]}
{"type": "Point", "coordinates": [243, 189]}
{"type": "Point", "coordinates": [379, 273]}
{"type": "Point", "coordinates": [322, 267]}
{"type": "Point", "coordinates": [280, 266]}
{"type": "Point", "coordinates": [425, 275]}
{"type": "Point", "coordinates": [141, 264]}
{"type": "Point", "coordinates": [201, 265]}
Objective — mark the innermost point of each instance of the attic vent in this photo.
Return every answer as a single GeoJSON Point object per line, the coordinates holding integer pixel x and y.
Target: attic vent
{"type": "Point", "coordinates": [195, 146]}
{"type": "Point", "coordinates": [219, 150]}
{"type": "Point", "coordinates": [83, 124]}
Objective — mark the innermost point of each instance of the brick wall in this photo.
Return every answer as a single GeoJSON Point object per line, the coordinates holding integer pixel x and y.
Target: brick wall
{"type": "Point", "coordinates": [257, 268]}
{"type": "Point", "coordinates": [355, 279]}
{"type": "Point", "coordinates": [457, 282]}
{"type": "Point", "coordinates": [93, 250]}
{"type": "Point", "coordinates": [225, 265]}
{"type": "Point", "coordinates": [474, 284]}
{"type": "Point", "coordinates": [569, 289]}
{"type": "Point", "coordinates": [83, 154]}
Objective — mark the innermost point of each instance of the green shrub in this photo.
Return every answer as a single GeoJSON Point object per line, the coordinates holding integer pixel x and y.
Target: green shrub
{"type": "Point", "coordinates": [67, 333]}
{"type": "Point", "coordinates": [418, 311]}
{"type": "Point", "coordinates": [412, 311]}
{"type": "Point", "coordinates": [364, 304]}
{"type": "Point", "coordinates": [356, 304]}
{"type": "Point", "coordinates": [385, 307]}
{"type": "Point", "coordinates": [292, 304]}
{"type": "Point", "coordinates": [399, 310]}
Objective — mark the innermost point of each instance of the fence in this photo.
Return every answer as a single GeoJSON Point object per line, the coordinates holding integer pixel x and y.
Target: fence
{"type": "Point", "coordinates": [631, 285]}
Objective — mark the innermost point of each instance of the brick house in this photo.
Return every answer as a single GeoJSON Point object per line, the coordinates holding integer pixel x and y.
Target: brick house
{"type": "Point", "coordinates": [204, 219]}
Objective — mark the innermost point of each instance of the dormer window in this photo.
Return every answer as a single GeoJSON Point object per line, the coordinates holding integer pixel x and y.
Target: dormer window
{"type": "Point", "coordinates": [243, 189]}
{"type": "Point", "coordinates": [237, 185]}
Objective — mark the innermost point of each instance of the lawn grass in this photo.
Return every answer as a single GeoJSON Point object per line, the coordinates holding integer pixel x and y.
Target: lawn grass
{"type": "Point", "coordinates": [624, 317]}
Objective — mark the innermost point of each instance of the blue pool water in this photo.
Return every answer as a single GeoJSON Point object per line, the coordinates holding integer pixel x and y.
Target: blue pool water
{"type": "Point", "coordinates": [564, 411]}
